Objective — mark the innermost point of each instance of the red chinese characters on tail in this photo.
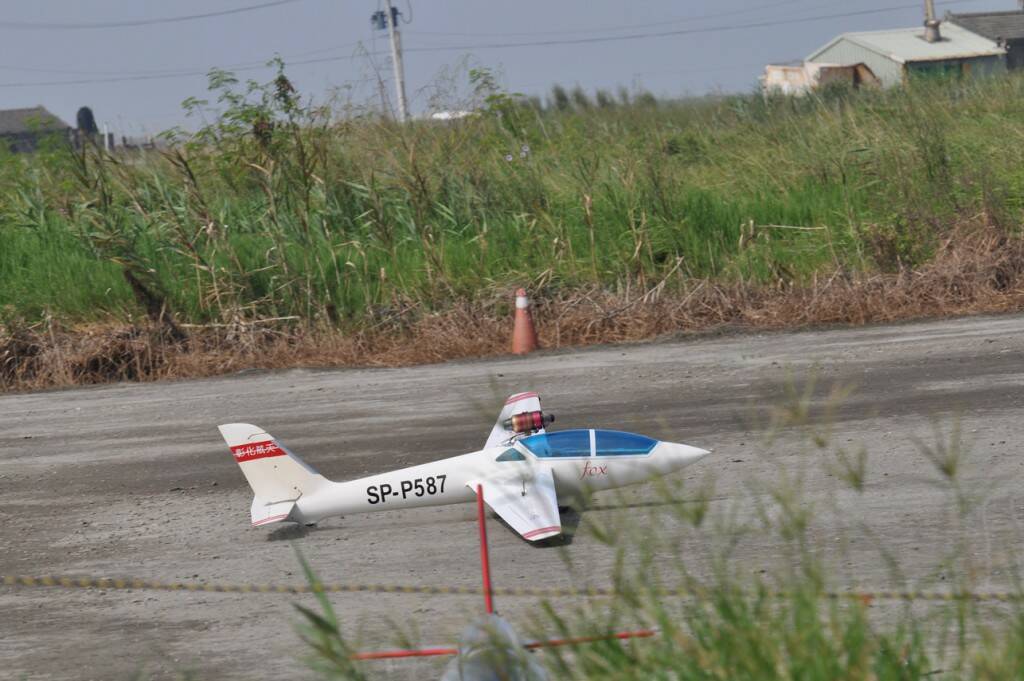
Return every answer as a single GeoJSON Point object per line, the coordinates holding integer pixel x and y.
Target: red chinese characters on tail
{"type": "Point", "coordinates": [259, 450]}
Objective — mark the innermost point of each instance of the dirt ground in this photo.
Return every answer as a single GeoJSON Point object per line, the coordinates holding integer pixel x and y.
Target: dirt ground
{"type": "Point", "coordinates": [135, 480]}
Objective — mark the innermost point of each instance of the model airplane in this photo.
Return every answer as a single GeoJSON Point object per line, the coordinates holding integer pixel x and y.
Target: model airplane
{"type": "Point", "coordinates": [524, 472]}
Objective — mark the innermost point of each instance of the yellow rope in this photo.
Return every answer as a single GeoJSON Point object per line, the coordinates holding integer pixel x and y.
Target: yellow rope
{"type": "Point", "coordinates": [109, 583]}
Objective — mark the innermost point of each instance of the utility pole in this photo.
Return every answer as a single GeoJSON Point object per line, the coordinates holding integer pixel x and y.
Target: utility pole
{"type": "Point", "coordinates": [931, 24]}
{"type": "Point", "coordinates": [396, 60]}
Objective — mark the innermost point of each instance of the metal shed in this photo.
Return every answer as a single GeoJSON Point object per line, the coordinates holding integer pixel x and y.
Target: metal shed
{"type": "Point", "coordinates": [1006, 28]}
{"type": "Point", "coordinates": [894, 55]}
{"type": "Point", "coordinates": [22, 129]}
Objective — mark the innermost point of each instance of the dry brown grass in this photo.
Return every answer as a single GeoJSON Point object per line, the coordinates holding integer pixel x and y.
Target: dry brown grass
{"type": "Point", "coordinates": [978, 268]}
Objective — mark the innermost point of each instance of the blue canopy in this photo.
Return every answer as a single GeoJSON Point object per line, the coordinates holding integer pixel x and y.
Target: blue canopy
{"type": "Point", "coordinates": [617, 443]}
{"type": "Point", "coordinates": [576, 443]}
{"type": "Point", "coordinates": [563, 443]}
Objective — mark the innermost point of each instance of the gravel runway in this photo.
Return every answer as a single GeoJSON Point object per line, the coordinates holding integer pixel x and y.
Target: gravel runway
{"type": "Point", "coordinates": [135, 480]}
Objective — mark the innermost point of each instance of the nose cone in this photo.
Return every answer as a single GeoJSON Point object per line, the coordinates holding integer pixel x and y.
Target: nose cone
{"type": "Point", "coordinates": [683, 455]}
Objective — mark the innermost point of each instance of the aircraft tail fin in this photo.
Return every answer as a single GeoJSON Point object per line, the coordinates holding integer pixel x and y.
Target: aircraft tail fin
{"type": "Point", "coordinates": [277, 476]}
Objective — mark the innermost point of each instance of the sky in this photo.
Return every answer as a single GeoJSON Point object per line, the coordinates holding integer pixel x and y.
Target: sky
{"type": "Point", "coordinates": [134, 61]}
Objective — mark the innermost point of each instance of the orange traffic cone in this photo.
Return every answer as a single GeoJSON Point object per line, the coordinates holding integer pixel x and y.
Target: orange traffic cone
{"type": "Point", "coordinates": [524, 338]}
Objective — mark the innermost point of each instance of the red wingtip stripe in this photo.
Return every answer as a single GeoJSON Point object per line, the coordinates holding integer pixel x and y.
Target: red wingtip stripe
{"type": "Point", "coordinates": [554, 529]}
{"type": "Point", "coordinates": [520, 396]}
{"type": "Point", "coordinates": [271, 519]}
{"type": "Point", "coordinates": [256, 450]}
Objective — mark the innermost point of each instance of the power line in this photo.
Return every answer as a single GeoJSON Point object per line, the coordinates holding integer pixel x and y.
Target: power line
{"type": "Point", "coordinates": [620, 27]}
{"type": "Point", "coordinates": [669, 22]}
{"type": "Point", "coordinates": [485, 46]}
{"type": "Point", "coordinates": [68, 26]}
{"type": "Point", "coordinates": [676, 32]}
{"type": "Point", "coordinates": [181, 74]}
{"type": "Point", "coordinates": [174, 72]}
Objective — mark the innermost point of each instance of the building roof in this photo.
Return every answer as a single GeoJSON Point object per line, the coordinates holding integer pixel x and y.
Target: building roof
{"type": "Point", "coordinates": [992, 25]}
{"type": "Point", "coordinates": [13, 121]}
{"type": "Point", "coordinates": [904, 45]}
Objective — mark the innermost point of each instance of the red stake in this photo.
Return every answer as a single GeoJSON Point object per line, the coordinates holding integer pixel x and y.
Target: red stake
{"type": "Point", "coordinates": [485, 564]}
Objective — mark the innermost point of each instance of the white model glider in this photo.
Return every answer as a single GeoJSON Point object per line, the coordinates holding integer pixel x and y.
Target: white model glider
{"type": "Point", "coordinates": [523, 470]}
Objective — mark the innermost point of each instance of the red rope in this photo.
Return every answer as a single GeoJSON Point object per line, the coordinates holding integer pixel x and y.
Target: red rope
{"type": "Point", "coordinates": [485, 566]}
{"type": "Point", "coordinates": [391, 654]}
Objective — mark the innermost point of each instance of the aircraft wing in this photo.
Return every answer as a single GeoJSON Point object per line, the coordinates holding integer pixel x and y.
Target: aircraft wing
{"type": "Point", "coordinates": [519, 404]}
{"type": "Point", "coordinates": [529, 506]}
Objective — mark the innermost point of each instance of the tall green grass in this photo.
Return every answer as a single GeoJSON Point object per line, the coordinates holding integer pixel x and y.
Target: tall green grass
{"type": "Point", "coordinates": [277, 209]}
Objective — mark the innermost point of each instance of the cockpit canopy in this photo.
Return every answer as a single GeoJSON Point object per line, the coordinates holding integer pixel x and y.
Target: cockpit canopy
{"type": "Point", "coordinates": [584, 443]}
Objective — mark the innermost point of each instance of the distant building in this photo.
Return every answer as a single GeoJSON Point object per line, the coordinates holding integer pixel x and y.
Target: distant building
{"type": "Point", "coordinates": [798, 79]}
{"type": "Point", "coordinates": [1005, 28]}
{"type": "Point", "coordinates": [896, 55]}
{"type": "Point", "coordinates": [23, 129]}
{"type": "Point", "coordinates": [451, 115]}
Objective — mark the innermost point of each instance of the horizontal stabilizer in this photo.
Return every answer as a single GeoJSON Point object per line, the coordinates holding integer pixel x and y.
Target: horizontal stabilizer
{"type": "Point", "coordinates": [264, 513]}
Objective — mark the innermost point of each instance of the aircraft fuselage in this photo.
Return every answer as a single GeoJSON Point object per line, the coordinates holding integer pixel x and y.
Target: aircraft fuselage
{"type": "Point", "coordinates": [447, 481]}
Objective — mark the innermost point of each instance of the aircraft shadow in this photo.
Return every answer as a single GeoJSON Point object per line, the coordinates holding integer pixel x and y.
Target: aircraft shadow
{"type": "Point", "coordinates": [570, 517]}
{"type": "Point", "coordinates": [570, 522]}
{"type": "Point", "coordinates": [637, 504]}
{"type": "Point", "coordinates": [293, 531]}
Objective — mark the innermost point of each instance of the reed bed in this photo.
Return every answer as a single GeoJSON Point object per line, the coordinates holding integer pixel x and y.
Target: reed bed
{"type": "Point", "coordinates": [293, 227]}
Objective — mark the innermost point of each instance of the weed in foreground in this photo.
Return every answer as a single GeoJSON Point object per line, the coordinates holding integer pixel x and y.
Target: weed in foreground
{"type": "Point", "coordinates": [685, 569]}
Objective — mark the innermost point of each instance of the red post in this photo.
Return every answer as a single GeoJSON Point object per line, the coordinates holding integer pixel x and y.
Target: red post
{"type": "Point", "coordinates": [485, 564]}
